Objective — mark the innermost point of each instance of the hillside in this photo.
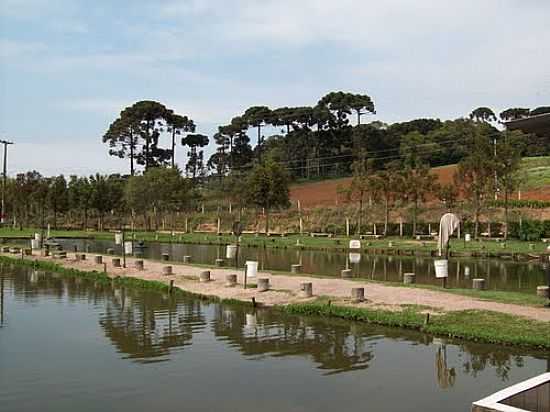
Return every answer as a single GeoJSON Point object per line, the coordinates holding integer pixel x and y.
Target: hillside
{"type": "Point", "coordinates": [536, 185]}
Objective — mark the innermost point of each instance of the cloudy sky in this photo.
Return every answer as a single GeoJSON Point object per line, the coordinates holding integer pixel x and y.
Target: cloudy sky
{"type": "Point", "coordinates": [67, 67]}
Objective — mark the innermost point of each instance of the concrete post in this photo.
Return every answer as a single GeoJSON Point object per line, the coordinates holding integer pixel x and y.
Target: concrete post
{"type": "Point", "coordinates": [204, 276]}
{"type": "Point", "coordinates": [263, 284]}
{"type": "Point", "coordinates": [409, 278]}
{"type": "Point", "coordinates": [231, 280]}
{"type": "Point", "coordinates": [297, 268]}
{"type": "Point", "coordinates": [306, 289]}
{"type": "Point", "coordinates": [139, 264]}
{"type": "Point", "coordinates": [167, 270]}
{"type": "Point", "coordinates": [478, 284]}
{"type": "Point", "coordinates": [116, 262]}
{"type": "Point", "coordinates": [301, 225]}
{"type": "Point", "coordinates": [357, 295]}
{"type": "Point", "coordinates": [543, 291]}
{"type": "Point", "coordinates": [219, 226]}
{"type": "Point", "coordinates": [346, 273]}
{"type": "Point", "coordinates": [98, 260]}
{"type": "Point", "coordinates": [347, 226]}
{"type": "Point", "coordinates": [400, 227]}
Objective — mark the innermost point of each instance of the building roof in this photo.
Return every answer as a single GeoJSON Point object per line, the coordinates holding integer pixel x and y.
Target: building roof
{"type": "Point", "coordinates": [539, 124]}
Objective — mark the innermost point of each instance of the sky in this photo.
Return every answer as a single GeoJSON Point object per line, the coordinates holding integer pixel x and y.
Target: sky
{"type": "Point", "coordinates": [68, 67]}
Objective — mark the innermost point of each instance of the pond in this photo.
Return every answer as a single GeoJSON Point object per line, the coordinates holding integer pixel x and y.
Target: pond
{"type": "Point", "coordinates": [69, 344]}
{"type": "Point", "coordinates": [500, 274]}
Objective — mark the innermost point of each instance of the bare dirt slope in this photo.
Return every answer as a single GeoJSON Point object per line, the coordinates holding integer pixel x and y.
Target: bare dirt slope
{"type": "Point", "coordinates": [325, 193]}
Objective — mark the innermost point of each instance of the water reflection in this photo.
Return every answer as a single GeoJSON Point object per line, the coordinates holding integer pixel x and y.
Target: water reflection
{"type": "Point", "coordinates": [148, 327]}
{"type": "Point", "coordinates": [499, 274]}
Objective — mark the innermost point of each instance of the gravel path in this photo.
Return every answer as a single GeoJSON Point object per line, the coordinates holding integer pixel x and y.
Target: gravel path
{"type": "Point", "coordinates": [285, 289]}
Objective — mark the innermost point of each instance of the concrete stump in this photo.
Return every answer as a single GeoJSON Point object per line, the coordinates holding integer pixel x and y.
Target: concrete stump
{"type": "Point", "coordinates": [165, 256]}
{"type": "Point", "coordinates": [409, 278]}
{"type": "Point", "coordinates": [81, 256]}
{"type": "Point", "coordinates": [306, 289]}
{"type": "Point", "coordinates": [46, 252]}
{"type": "Point", "coordinates": [204, 276]}
{"type": "Point", "coordinates": [543, 292]}
{"type": "Point", "coordinates": [98, 260]}
{"type": "Point", "coordinates": [116, 262]}
{"type": "Point", "coordinates": [187, 259]}
{"type": "Point", "coordinates": [230, 281]}
{"type": "Point", "coordinates": [28, 252]}
{"type": "Point", "coordinates": [346, 273]}
{"type": "Point", "coordinates": [139, 264]}
{"type": "Point", "coordinates": [167, 270]}
{"type": "Point", "coordinates": [478, 284]}
{"type": "Point", "coordinates": [110, 251]}
{"type": "Point", "coordinates": [219, 262]}
{"type": "Point", "coordinates": [357, 295]}
{"type": "Point", "coordinates": [5, 249]}
{"type": "Point", "coordinates": [263, 284]}
{"type": "Point", "coordinates": [296, 268]}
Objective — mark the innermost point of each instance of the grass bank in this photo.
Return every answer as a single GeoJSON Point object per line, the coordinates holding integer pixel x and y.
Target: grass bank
{"type": "Point", "coordinates": [473, 325]}
{"type": "Point", "coordinates": [480, 326]}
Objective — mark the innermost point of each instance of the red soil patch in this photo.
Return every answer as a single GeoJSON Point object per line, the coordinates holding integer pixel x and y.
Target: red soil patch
{"type": "Point", "coordinates": [325, 193]}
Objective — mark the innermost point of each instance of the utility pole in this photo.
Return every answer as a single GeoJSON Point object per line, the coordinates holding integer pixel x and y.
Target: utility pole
{"type": "Point", "coordinates": [496, 177]}
{"type": "Point", "coordinates": [4, 179]}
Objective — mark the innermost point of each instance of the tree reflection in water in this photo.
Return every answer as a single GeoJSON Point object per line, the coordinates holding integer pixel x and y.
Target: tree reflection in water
{"type": "Point", "coordinates": [146, 326]}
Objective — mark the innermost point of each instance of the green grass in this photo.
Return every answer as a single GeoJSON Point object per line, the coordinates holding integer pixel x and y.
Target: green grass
{"type": "Point", "coordinates": [488, 247]}
{"type": "Point", "coordinates": [473, 325]}
{"type": "Point", "coordinates": [536, 171]}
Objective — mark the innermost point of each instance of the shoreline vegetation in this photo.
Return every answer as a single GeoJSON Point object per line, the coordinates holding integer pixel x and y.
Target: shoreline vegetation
{"type": "Point", "coordinates": [474, 325]}
{"type": "Point", "coordinates": [406, 246]}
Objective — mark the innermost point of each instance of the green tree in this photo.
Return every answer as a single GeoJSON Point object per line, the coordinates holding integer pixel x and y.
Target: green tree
{"type": "Point", "coordinates": [483, 114]}
{"type": "Point", "coordinates": [258, 117]}
{"type": "Point", "coordinates": [267, 188]}
{"type": "Point", "coordinates": [195, 164]}
{"type": "Point", "coordinates": [58, 198]}
{"type": "Point", "coordinates": [106, 195]}
{"type": "Point", "coordinates": [514, 113]}
{"type": "Point", "coordinates": [507, 164]}
{"type": "Point", "coordinates": [177, 125]}
{"type": "Point", "coordinates": [475, 172]}
{"type": "Point", "coordinates": [80, 196]}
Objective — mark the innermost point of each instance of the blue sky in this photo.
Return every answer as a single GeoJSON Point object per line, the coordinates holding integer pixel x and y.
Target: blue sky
{"type": "Point", "coordinates": [67, 67]}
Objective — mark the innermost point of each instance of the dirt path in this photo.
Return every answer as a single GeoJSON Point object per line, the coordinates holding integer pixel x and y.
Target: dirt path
{"type": "Point", "coordinates": [285, 289]}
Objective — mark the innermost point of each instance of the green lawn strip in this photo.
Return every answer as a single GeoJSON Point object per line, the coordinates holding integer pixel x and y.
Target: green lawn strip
{"type": "Point", "coordinates": [474, 325]}
{"type": "Point", "coordinates": [492, 327]}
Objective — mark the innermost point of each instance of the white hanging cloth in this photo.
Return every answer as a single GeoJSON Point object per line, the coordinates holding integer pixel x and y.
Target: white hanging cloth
{"type": "Point", "coordinates": [448, 224]}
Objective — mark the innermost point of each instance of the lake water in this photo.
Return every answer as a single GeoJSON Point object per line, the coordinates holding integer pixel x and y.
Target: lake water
{"type": "Point", "coordinates": [67, 344]}
{"type": "Point", "coordinates": [500, 274]}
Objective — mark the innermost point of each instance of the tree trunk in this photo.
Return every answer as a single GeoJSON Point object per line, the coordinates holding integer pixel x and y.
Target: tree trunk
{"type": "Point", "coordinates": [266, 220]}
{"type": "Point", "coordinates": [505, 213]}
{"type": "Point", "coordinates": [173, 147]}
{"type": "Point", "coordinates": [360, 217]}
{"type": "Point", "coordinates": [85, 219]}
{"type": "Point", "coordinates": [131, 152]}
{"type": "Point", "coordinates": [415, 210]}
{"type": "Point", "coordinates": [386, 215]}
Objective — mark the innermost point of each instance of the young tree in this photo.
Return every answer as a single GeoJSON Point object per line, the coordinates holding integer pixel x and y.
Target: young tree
{"type": "Point", "coordinates": [58, 198]}
{"type": "Point", "coordinates": [106, 195]}
{"type": "Point", "coordinates": [80, 195]}
{"type": "Point", "coordinates": [267, 187]}
{"type": "Point", "coordinates": [385, 183]}
{"type": "Point", "coordinates": [475, 172]}
{"type": "Point", "coordinates": [507, 164]}
{"type": "Point", "coordinates": [361, 186]}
